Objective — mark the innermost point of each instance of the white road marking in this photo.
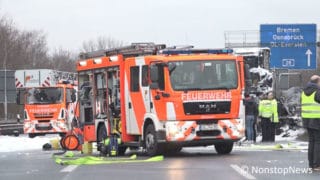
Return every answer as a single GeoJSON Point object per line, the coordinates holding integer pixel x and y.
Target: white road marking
{"type": "Point", "coordinates": [69, 168]}
{"type": "Point", "coordinates": [243, 172]}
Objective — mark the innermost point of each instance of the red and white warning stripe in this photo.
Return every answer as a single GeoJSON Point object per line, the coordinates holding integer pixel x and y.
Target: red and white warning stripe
{"type": "Point", "coordinates": [188, 129]}
{"type": "Point", "coordinates": [46, 82]}
{"type": "Point", "coordinates": [18, 84]}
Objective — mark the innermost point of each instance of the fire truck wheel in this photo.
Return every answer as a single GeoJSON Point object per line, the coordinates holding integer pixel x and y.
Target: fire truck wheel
{"type": "Point", "coordinates": [151, 141]}
{"type": "Point", "coordinates": [102, 135]}
{"type": "Point", "coordinates": [224, 148]}
{"type": "Point", "coordinates": [31, 135]}
{"type": "Point", "coordinates": [16, 133]}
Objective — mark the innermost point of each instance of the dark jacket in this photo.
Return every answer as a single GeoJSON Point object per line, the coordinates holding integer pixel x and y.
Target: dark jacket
{"type": "Point", "coordinates": [308, 90]}
{"type": "Point", "coordinates": [251, 106]}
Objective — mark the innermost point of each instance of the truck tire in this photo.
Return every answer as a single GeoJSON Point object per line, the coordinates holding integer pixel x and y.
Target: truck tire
{"type": "Point", "coordinates": [16, 133]}
{"type": "Point", "coordinates": [101, 136]}
{"type": "Point", "coordinates": [151, 142]}
{"type": "Point", "coordinates": [224, 148]}
{"type": "Point", "coordinates": [32, 135]}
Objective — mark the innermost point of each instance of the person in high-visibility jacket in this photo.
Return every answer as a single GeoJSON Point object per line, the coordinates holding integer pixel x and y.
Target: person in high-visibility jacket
{"type": "Point", "coordinates": [268, 112]}
{"type": "Point", "coordinates": [310, 113]}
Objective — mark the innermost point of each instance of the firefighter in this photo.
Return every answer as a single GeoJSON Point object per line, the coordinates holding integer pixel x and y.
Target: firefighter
{"type": "Point", "coordinates": [268, 112]}
{"type": "Point", "coordinates": [310, 113]}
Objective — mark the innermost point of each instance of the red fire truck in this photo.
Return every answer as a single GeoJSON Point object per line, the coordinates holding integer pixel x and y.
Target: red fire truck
{"type": "Point", "coordinates": [49, 99]}
{"type": "Point", "coordinates": [162, 98]}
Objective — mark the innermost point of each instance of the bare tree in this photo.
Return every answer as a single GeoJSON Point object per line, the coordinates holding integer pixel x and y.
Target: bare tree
{"type": "Point", "coordinates": [100, 43]}
{"type": "Point", "coordinates": [8, 36]}
{"type": "Point", "coordinates": [63, 60]}
{"type": "Point", "coordinates": [22, 49]}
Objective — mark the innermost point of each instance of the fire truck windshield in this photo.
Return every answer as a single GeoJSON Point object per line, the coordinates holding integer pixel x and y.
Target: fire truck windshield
{"type": "Point", "coordinates": [45, 96]}
{"type": "Point", "coordinates": [203, 75]}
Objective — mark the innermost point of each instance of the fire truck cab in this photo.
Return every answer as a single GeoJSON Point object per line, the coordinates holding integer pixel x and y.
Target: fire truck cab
{"type": "Point", "coordinates": [49, 99]}
{"type": "Point", "coordinates": [162, 98]}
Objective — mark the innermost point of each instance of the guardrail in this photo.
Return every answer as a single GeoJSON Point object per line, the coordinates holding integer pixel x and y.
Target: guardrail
{"type": "Point", "coordinates": [11, 127]}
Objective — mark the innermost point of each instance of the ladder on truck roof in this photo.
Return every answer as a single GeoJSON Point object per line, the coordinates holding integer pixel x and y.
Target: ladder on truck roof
{"type": "Point", "coordinates": [176, 51]}
{"type": "Point", "coordinates": [135, 49]}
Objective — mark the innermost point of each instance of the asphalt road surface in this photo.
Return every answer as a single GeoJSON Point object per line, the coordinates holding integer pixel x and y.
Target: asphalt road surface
{"type": "Point", "coordinates": [191, 163]}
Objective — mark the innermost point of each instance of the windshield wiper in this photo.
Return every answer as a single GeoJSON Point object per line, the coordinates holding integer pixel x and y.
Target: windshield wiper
{"type": "Point", "coordinates": [222, 88]}
{"type": "Point", "coordinates": [185, 90]}
{"type": "Point", "coordinates": [41, 103]}
{"type": "Point", "coordinates": [189, 89]}
{"type": "Point", "coordinates": [193, 89]}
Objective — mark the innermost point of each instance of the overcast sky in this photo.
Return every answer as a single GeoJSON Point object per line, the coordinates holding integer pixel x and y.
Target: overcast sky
{"type": "Point", "coordinates": [202, 23]}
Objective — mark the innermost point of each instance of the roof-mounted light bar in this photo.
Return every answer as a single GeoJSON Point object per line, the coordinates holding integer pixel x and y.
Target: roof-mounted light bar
{"type": "Point", "coordinates": [82, 63]}
{"type": "Point", "coordinates": [113, 58]}
{"type": "Point", "coordinates": [195, 51]}
{"type": "Point", "coordinates": [97, 61]}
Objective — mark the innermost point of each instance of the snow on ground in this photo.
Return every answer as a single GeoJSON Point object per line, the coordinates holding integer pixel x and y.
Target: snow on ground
{"type": "Point", "coordinates": [24, 143]}
{"type": "Point", "coordinates": [287, 140]}
{"type": "Point", "coordinates": [289, 134]}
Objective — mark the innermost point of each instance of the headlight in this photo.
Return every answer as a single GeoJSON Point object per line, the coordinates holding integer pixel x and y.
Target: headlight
{"type": "Point", "coordinates": [27, 125]}
{"type": "Point", "coordinates": [61, 124]}
{"type": "Point", "coordinates": [240, 126]}
{"type": "Point", "coordinates": [173, 130]}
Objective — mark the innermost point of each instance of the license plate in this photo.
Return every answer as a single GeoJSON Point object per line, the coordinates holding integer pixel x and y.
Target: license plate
{"type": "Point", "coordinates": [208, 127]}
{"type": "Point", "coordinates": [43, 125]}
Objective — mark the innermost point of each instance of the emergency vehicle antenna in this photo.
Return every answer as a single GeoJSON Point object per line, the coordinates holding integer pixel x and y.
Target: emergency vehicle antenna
{"type": "Point", "coordinates": [135, 49]}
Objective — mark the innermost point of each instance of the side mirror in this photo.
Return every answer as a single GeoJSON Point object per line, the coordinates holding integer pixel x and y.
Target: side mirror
{"type": "Point", "coordinates": [20, 97]}
{"type": "Point", "coordinates": [18, 118]}
{"type": "Point", "coordinates": [73, 96]}
{"type": "Point", "coordinates": [154, 73]}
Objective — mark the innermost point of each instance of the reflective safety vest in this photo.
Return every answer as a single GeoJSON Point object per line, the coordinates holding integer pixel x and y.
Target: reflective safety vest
{"type": "Point", "coordinates": [269, 109]}
{"type": "Point", "coordinates": [309, 107]}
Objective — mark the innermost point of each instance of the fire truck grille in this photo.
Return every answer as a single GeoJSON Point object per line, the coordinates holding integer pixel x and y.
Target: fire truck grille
{"type": "Point", "coordinates": [222, 107]}
{"type": "Point", "coordinates": [43, 115]}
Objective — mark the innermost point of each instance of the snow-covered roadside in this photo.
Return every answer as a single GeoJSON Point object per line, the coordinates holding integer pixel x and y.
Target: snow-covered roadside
{"type": "Point", "coordinates": [287, 140]}
{"type": "Point", "coordinates": [23, 142]}
{"type": "Point", "coordinates": [287, 135]}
